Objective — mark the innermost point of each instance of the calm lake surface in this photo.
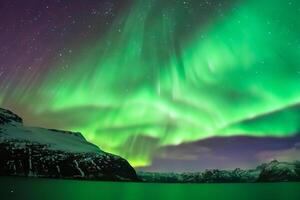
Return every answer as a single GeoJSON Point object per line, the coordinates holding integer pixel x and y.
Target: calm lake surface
{"type": "Point", "coordinates": [44, 189]}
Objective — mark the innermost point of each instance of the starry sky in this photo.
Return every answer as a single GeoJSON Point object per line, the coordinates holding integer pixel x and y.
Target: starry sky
{"type": "Point", "coordinates": [174, 85]}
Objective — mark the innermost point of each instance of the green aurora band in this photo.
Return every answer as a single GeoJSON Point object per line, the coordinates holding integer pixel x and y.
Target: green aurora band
{"type": "Point", "coordinates": [150, 83]}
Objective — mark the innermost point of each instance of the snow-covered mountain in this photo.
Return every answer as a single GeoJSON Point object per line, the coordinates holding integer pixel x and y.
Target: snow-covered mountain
{"type": "Point", "coordinates": [30, 151]}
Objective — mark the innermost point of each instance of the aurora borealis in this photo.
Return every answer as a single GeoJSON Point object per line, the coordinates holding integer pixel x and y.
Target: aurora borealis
{"type": "Point", "coordinates": [138, 77]}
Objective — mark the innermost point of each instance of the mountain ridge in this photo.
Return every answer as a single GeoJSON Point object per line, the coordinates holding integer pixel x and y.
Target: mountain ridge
{"type": "Point", "coordinates": [274, 171]}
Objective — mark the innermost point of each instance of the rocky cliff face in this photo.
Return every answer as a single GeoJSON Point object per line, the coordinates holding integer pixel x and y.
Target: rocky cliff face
{"type": "Point", "coordinates": [37, 152]}
{"type": "Point", "coordinates": [7, 117]}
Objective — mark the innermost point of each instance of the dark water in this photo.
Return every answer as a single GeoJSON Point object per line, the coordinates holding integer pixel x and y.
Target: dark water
{"type": "Point", "coordinates": [44, 189]}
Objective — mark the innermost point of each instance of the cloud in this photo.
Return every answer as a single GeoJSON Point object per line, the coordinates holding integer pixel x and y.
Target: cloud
{"type": "Point", "coordinates": [189, 153]}
{"type": "Point", "coordinates": [225, 153]}
{"type": "Point", "coordinates": [286, 155]}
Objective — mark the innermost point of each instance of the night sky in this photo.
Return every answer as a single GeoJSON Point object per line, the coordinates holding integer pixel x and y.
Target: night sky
{"type": "Point", "coordinates": [170, 85]}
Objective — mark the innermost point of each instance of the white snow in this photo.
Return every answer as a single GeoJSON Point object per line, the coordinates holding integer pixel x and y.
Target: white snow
{"type": "Point", "coordinates": [56, 140]}
{"type": "Point", "coordinates": [78, 168]}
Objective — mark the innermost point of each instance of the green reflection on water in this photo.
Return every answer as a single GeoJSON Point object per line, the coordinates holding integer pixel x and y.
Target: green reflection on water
{"type": "Point", "coordinates": [44, 189]}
